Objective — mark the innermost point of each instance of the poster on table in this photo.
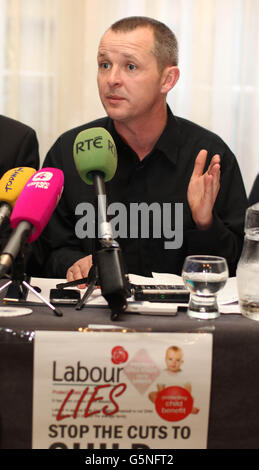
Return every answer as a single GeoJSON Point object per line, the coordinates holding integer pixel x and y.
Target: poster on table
{"type": "Point", "coordinates": [114, 390]}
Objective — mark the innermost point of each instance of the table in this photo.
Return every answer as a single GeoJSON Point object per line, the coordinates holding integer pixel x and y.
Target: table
{"type": "Point", "coordinates": [234, 410]}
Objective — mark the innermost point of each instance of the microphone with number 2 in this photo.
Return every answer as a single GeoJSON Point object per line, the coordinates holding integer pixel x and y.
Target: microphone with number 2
{"type": "Point", "coordinates": [95, 157]}
{"type": "Point", "coordinates": [32, 212]}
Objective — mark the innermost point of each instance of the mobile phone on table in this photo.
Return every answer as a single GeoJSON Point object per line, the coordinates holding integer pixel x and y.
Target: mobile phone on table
{"type": "Point", "coordinates": [64, 296]}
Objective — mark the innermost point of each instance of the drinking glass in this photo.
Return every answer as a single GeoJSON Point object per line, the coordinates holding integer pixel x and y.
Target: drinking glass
{"type": "Point", "coordinates": [204, 276]}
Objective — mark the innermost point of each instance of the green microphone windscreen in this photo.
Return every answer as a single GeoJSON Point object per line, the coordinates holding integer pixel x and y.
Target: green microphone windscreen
{"type": "Point", "coordinates": [95, 150]}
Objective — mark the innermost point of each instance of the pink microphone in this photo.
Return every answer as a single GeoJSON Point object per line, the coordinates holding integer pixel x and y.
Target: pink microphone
{"type": "Point", "coordinates": [32, 212]}
{"type": "Point", "coordinates": [38, 200]}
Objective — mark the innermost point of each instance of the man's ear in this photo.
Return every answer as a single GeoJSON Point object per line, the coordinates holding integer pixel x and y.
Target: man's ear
{"type": "Point", "coordinates": [170, 77]}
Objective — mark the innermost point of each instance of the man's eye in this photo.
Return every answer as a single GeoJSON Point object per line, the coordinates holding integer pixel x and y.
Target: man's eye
{"type": "Point", "coordinates": [131, 66]}
{"type": "Point", "coordinates": [105, 65]}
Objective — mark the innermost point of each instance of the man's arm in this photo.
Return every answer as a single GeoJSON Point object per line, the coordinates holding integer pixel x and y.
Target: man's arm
{"type": "Point", "coordinates": [218, 202]}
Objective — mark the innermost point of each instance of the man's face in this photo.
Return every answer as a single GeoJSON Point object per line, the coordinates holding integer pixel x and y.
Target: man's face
{"type": "Point", "coordinates": [128, 77]}
{"type": "Point", "coordinates": [174, 360]}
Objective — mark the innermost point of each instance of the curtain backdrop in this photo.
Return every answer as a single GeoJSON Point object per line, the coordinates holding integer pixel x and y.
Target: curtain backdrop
{"type": "Point", "coordinates": [48, 65]}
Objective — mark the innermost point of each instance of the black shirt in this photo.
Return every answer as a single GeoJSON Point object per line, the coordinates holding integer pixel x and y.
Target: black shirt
{"type": "Point", "coordinates": [161, 177]}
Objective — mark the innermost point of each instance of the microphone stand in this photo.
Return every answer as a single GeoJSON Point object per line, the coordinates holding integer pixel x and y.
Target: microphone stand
{"type": "Point", "coordinates": [109, 258]}
{"type": "Point", "coordinates": [107, 264]}
{"type": "Point", "coordinates": [112, 280]}
{"type": "Point", "coordinates": [19, 280]}
{"type": "Point", "coordinates": [91, 280]}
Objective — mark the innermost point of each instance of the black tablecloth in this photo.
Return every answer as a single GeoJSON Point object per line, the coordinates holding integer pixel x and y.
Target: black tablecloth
{"type": "Point", "coordinates": [234, 408]}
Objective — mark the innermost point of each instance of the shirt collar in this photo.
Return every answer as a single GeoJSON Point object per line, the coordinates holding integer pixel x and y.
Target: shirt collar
{"type": "Point", "coordinates": [168, 142]}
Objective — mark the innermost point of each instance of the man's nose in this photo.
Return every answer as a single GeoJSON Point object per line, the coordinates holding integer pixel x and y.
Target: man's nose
{"type": "Point", "coordinates": [114, 78]}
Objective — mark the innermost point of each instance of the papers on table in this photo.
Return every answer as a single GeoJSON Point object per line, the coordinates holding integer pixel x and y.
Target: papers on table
{"type": "Point", "coordinates": [227, 298]}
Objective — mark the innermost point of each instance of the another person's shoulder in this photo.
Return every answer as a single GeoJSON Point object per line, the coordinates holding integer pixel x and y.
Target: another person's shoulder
{"type": "Point", "coordinates": [19, 145]}
{"type": "Point", "coordinates": [13, 125]}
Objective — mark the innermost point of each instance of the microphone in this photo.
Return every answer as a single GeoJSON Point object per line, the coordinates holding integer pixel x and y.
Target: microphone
{"type": "Point", "coordinates": [95, 157]}
{"type": "Point", "coordinates": [32, 212]}
{"type": "Point", "coordinates": [11, 185]}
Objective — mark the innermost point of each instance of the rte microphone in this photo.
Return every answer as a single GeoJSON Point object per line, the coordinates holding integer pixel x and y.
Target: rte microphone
{"type": "Point", "coordinates": [11, 186]}
{"type": "Point", "coordinates": [32, 212]}
{"type": "Point", "coordinates": [95, 157]}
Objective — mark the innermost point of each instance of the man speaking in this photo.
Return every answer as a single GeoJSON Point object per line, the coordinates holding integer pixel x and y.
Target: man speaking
{"type": "Point", "coordinates": [164, 162]}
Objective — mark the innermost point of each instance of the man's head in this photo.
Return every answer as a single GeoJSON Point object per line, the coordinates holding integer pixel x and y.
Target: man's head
{"type": "Point", "coordinates": [165, 47]}
{"type": "Point", "coordinates": [136, 69]}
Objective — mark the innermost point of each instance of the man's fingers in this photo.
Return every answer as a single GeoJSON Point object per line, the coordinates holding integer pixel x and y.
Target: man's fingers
{"type": "Point", "coordinates": [85, 265]}
{"type": "Point", "coordinates": [214, 172]}
{"type": "Point", "coordinates": [212, 186]}
{"type": "Point", "coordinates": [73, 273]}
{"type": "Point", "coordinates": [199, 163]}
{"type": "Point", "coordinates": [79, 270]}
{"type": "Point", "coordinates": [214, 166]}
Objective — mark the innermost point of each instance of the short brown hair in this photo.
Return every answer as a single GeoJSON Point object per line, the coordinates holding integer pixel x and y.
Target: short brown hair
{"type": "Point", "coordinates": [165, 42]}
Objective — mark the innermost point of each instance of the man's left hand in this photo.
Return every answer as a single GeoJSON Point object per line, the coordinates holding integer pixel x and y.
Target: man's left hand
{"type": "Point", "coordinates": [203, 189]}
